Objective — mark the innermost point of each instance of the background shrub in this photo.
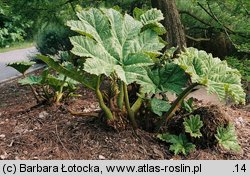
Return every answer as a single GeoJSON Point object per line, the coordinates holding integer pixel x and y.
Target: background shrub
{"type": "Point", "coordinates": [53, 38]}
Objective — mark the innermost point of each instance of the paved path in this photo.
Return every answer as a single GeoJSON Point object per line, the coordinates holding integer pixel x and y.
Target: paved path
{"type": "Point", "coordinates": [201, 94]}
{"type": "Point", "coordinates": [14, 56]}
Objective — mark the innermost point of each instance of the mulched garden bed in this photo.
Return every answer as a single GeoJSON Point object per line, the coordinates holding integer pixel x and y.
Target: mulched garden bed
{"type": "Point", "coordinates": [28, 131]}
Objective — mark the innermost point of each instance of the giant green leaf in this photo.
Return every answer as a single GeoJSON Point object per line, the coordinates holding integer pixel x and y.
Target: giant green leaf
{"type": "Point", "coordinates": [212, 73]}
{"type": "Point", "coordinates": [114, 43]}
{"type": "Point", "coordinates": [159, 106]}
{"type": "Point", "coordinates": [151, 18]}
{"type": "Point", "coordinates": [168, 78]}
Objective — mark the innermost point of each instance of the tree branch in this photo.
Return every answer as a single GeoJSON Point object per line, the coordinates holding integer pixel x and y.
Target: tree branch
{"type": "Point", "coordinates": [195, 17]}
{"type": "Point", "coordinates": [197, 39]}
{"type": "Point", "coordinates": [214, 17]}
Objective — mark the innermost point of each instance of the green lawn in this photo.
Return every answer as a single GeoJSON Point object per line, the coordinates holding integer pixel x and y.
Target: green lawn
{"type": "Point", "coordinates": [20, 45]}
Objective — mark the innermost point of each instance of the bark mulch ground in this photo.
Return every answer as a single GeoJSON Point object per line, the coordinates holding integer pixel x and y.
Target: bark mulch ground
{"type": "Point", "coordinates": [48, 132]}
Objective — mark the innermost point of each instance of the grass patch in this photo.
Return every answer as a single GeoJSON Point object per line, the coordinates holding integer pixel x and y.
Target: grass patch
{"type": "Point", "coordinates": [19, 45]}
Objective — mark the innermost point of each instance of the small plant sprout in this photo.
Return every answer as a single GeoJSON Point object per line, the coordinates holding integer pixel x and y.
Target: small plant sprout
{"type": "Point", "coordinates": [22, 68]}
{"type": "Point", "coordinates": [227, 138]}
{"type": "Point", "coordinates": [53, 86]}
{"type": "Point", "coordinates": [187, 105]}
{"type": "Point", "coordinates": [179, 144]}
{"type": "Point", "coordinates": [193, 125]}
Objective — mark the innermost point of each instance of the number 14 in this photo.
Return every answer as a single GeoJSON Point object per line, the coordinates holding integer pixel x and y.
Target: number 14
{"type": "Point", "coordinates": [240, 168]}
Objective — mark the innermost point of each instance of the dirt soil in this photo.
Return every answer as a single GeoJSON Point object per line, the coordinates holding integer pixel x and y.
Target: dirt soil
{"type": "Point", "coordinates": [48, 132]}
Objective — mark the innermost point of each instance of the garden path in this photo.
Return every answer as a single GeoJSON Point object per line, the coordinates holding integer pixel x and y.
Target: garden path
{"type": "Point", "coordinates": [7, 73]}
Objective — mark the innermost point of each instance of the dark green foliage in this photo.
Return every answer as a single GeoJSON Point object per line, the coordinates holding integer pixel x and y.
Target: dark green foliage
{"type": "Point", "coordinates": [206, 19]}
{"type": "Point", "coordinates": [243, 65]}
{"type": "Point", "coordinates": [59, 11]}
{"type": "Point", "coordinates": [168, 78]}
{"type": "Point", "coordinates": [53, 38]}
{"type": "Point", "coordinates": [43, 11]}
{"type": "Point", "coordinates": [187, 105]}
{"type": "Point", "coordinates": [31, 80]}
{"type": "Point", "coordinates": [21, 67]}
{"type": "Point", "coordinates": [159, 106]}
{"type": "Point", "coordinates": [179, 144]}
{"type": "Point", "coordinates": [122, 5]}
{"type": "Point", "coordinates": [12, 28]}
{"type": "Point", "coordinates": [51, 87]}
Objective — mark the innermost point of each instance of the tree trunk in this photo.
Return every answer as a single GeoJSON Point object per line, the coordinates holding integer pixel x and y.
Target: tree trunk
{"type": "Point", "coordinates": [175, 35]}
